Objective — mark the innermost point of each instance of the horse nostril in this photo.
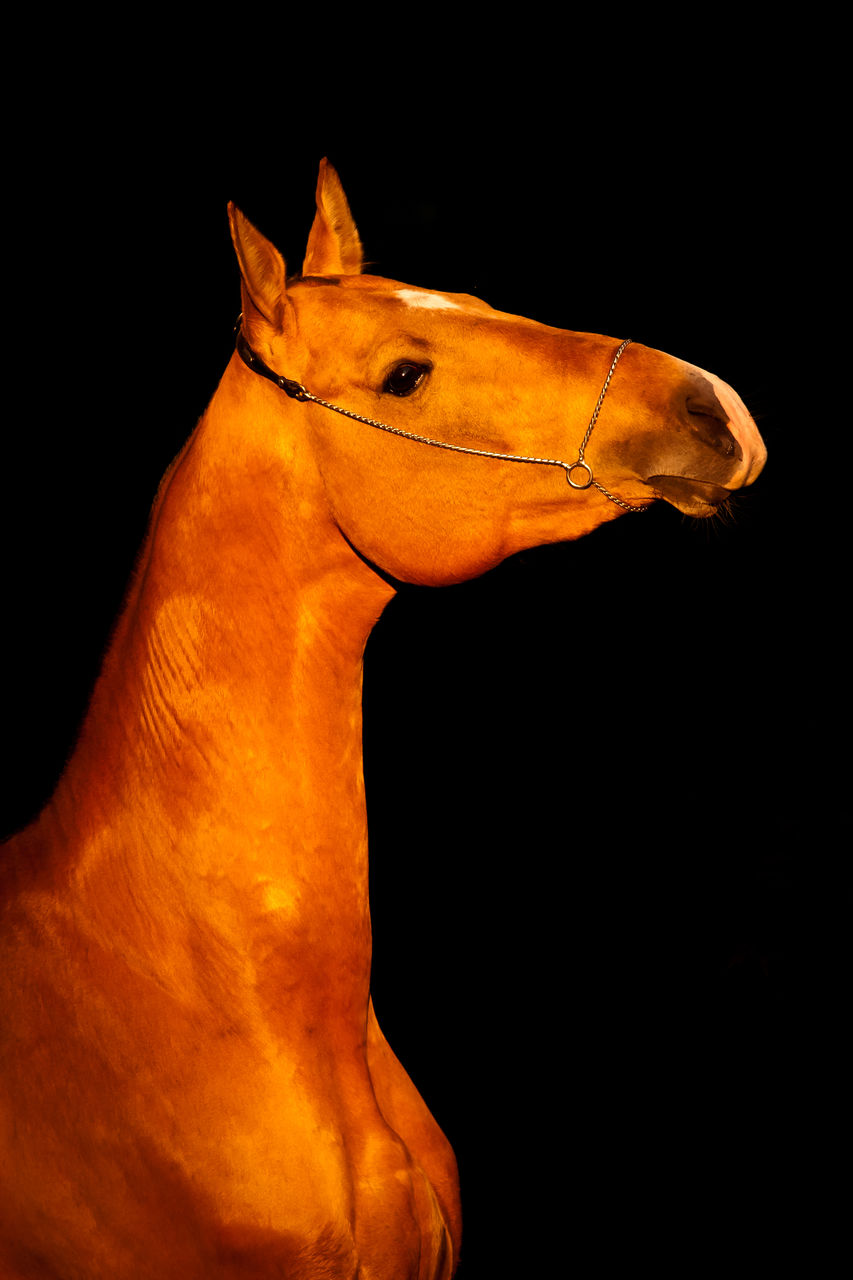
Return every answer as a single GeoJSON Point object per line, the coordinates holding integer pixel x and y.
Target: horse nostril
{"type": "Point", "coordinates": [711, 424]}
{"type": "Point", "coordinates": [707, 409]}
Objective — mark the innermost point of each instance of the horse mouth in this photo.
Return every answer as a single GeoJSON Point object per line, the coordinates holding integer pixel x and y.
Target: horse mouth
{"type": "Point", "coordinates": [692, 497]}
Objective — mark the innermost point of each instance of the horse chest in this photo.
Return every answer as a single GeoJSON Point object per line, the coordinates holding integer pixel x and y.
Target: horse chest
{"type": "Point", "coordinates": [216, 1155]}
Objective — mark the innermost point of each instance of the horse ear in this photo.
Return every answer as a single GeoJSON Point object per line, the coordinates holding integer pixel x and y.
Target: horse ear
{"type": "Point", "coordinates": [334, 247]}
{"type": "Point", "coordinates": [262, 268]}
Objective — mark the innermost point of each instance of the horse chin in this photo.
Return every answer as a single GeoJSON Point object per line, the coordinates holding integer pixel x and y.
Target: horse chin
{"type": "Point", "coordinates": [698, 498]}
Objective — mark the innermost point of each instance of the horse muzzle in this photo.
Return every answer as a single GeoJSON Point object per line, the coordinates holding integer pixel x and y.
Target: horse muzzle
{"type": "Point", "coordinates": [715, 451]}
{"type": "Point", "coordinates": [693, 497]}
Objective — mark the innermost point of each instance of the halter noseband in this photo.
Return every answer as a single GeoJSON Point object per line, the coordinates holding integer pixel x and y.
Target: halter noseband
{"type": "Point", "coordinates": [297, 392]}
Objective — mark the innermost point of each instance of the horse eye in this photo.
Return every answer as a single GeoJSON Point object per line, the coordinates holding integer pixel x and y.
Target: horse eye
{"type": "Point", "coordinates": [405, 378]}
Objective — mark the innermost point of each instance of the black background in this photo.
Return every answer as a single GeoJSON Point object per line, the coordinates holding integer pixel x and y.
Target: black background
{"type": "Point", "coordinates": [604, 889]}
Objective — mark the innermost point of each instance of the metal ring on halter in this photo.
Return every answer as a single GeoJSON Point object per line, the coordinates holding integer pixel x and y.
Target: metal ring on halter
{"type": "Point", "coordinates": [587, 468]}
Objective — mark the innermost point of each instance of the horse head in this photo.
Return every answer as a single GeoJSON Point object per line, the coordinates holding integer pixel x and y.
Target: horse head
{"type": "Point", "coordinates": [450, 369]}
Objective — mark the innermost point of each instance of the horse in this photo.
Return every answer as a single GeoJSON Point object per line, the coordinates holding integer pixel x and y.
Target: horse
{"type": "Point", "coordinates": [194, 1082]}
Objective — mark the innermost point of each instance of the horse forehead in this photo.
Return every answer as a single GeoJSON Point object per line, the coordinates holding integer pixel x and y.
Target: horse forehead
{"type": "Point", "coordinates": [367, 293]}
{"type": "Point", "coordinates": [370, 311]}
{"type": "Point", "coordinates": [370, 307]}
{"type": "Point", "coordinates": [432, 300]}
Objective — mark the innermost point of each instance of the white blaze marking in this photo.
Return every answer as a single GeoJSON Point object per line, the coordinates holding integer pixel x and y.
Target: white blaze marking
{"type": "Point", "coordinates": [429, 301]}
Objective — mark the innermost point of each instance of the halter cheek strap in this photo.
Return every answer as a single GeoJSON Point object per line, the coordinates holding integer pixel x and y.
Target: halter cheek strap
{"type": "Point", "coordinates": [579, 473]}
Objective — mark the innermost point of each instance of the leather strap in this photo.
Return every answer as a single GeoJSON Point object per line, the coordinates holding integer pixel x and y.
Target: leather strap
{"type": "Point", "coordinates": [251, 358]}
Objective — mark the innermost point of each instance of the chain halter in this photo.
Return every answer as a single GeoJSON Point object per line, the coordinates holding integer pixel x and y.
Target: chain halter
{"type": "Point", "coordinates": [297, 392]}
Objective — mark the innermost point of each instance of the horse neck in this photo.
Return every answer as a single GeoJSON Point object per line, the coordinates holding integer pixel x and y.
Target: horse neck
{"type": "Point", "coordinates": [218, 775]}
